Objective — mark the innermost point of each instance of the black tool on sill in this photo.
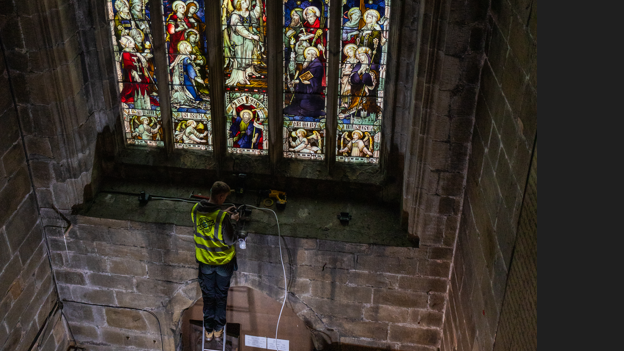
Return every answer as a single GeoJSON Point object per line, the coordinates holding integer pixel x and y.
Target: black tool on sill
{"type": "Point", "coordinates": [344, 218]}
{"type": "Point", "coordinates": [144, 198]}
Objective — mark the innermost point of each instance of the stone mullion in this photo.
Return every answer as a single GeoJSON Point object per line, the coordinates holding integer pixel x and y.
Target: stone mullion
{"type": "Point", "coordinates": [333, 71]}
{"type": "Point", "coordinates": [162, 74]}
{"type": "Point", "coordinates": [392, 64]}
{"type": "Point", "coordinates": [274, 12]}
{"type": "Point", "coordinates": [217, 82]}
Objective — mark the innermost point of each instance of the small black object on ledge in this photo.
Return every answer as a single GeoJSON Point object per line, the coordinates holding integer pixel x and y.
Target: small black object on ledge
{"type": "Point", "coordinates": [344, 218]}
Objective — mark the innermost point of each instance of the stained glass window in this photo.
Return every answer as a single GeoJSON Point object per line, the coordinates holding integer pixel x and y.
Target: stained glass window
{"type": "Point", "coordinates": [364, 46]}
{"type": "Point", "coordinates": [305, 43]}
{"type": "Point", "coordinates": [134, 62]}
{"type": "Point", "coordinates": [243, 23]}
{"type": "Point", "coordinates": [185, 37]}
{"type": "Point", "coordinates": [305, 36]}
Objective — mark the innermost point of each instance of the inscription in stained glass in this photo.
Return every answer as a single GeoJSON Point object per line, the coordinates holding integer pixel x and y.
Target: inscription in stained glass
{"type": "Point", "coordinates": [132, 46]}
{"type": "Point", "coordinates": [185, 37]}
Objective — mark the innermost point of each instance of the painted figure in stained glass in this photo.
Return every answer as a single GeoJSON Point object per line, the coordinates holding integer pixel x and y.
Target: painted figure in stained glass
{"type": "Point", "coordinates": [351, 27]}
{"type": "Point", "coordinates": [192, 7]}
{"type": "Point", "coordinates": [176, 25]}
{"type": "Point", "coordinates": [246, 41]}
{"type": "Point", "coordinates": [355, 146]}
{"type": "Point", "coordinates": [363, 81]}
{"type": "Point", "coordinates": [347, 68]}
{"type": "Point", "coordinates": [314, 29]}
{"type": "Point", "coordinates": [137, 9]}
{"type": "Point", "coordinates": [187, 133]}
{"type": "Point", "coordinates": [304, 143]}
{"type": "Point", "coordinates": [146, 128]}
{"type": "Point", "coordinates": [245, 131]}
{"type": "Point", "coordinates": [189, 89]}
{"type": "Point", "coordinates": [138, 87]}
{"type": "Point", "coordinates": [123, 18]}
{"type": "Point", "coordinates": [308, 86]}
{"type": "Point", "coordinates": [370, 35]}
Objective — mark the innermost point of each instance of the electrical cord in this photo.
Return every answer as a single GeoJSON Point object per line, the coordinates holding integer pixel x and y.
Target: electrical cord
{"type": "Point", "coordinates": [279, 240]}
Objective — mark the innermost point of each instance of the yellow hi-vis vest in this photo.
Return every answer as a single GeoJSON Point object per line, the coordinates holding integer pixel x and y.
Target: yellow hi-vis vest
{"type": "Point", "coordinates": [210, 248]}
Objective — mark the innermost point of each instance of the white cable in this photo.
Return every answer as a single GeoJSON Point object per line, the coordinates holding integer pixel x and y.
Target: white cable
{"type": "Point", "coordinates": [279, 240]}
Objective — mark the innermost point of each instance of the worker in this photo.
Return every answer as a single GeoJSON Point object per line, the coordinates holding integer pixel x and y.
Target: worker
{"type": "Point", "coordinates": [214, 251]}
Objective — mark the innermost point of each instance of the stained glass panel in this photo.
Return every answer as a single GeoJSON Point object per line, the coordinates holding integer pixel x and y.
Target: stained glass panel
{"type": "Point", "coordinates": [244, 44]}
{"type": "Point", "coordinates": [247, 123]}
{"type": "Point", "coordinates": [358, 143]}
{"type": "Point", "coordinates": [304, 140]}
{"type": "Point", "coordinates": [134, 63]}
{"type": "Point", "coordinates": [364, 46]}
{"type": "Point", "coordinates": [305, 36]}
{"type": "Point", "coordinates": [185, 37]}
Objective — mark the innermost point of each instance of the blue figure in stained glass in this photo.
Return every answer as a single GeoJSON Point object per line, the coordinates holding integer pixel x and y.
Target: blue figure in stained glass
{"type": "Point", "coordinates": [245, 131]}
{"type": "Point", "coordinates": [308, 100]}
{"type": "Point", "coordinates": [188, 86]}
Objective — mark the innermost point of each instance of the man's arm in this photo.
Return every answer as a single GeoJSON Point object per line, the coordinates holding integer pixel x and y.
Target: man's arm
{"type": "Point", "coordinates": [229, 234]}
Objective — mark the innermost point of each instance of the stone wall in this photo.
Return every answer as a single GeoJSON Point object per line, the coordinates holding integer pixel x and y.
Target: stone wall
{"type": "Point", "coordinates": [354, 294]}
{"type": "Point", "coordinates": [437, 111]}
{"type": "Point", "coordinates": [27, 294]}
{"type": "Point", "coordinates": [47, 144]}
{"type": "Point", "coordinates": [494, 275]}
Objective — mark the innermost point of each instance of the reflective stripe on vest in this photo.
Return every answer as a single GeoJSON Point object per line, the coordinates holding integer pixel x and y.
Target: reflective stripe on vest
{"type": "Point", "coordinates": [210, 247]}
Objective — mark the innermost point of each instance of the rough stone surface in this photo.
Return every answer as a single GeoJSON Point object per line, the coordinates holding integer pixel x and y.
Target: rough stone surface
{"type": "Point", "coordinates": [492, 299]}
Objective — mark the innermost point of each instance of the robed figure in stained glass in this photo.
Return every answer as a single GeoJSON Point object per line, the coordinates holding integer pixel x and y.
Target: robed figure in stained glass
{"type": "Point", "coordinates": [313, 31]}
{"type": "Point", "coordinates": [308, 87]}
{"type": "Point", "coordinates": [246, 132]}
{"type": "Point", "coordinates": [177, 25]}
{"type": "Point", "coordinates": [188, 85]}
{"type": "Point", "coordinates": [364, 81]}
{"type": "Point", "coordinates": [244, 38]}
{"type": "Point", "coordinates": [138, 82]}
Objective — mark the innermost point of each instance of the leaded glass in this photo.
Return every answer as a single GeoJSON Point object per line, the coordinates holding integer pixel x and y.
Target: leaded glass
{"type": "Point", "coordinates": [243, 23]}
{"type": "Point", "coordinates": [185, 37]}
{"type": "Point", "coordinates": [305, 36]}
{"type": "Point", "coordinates": [358, 143]}
{"type": "Point", "coordinates": [132, 46]}
{"type": "Point", "coordinates": [244, 45]}
{"type": "Point", "coordinates": [247, 123]}
{"type": "Point", "coordinates": [364, 46]}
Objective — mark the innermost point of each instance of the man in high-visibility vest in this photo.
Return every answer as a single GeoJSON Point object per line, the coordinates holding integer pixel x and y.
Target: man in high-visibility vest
{"type": "Point", "coordinates": [214, 251]}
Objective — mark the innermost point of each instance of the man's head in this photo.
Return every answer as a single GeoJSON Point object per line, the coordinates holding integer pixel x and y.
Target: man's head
{"type": "Point", "coordinates": [310, 53]}
{"type": "Point", "coordinates": [246, 115]}
{"type": "Point", "coordinates": [356, 135]}
{"type": "Point", "coordinates": [295, 17]}
{"type": "Point", "coordinates": [137, 7]}
{"type": "Point", "coordinates": [311, 14]}
{"type": "Point", "coordinates": [219, 192]}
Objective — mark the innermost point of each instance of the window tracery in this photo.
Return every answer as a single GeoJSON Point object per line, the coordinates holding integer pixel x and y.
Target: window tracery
{"type": "Point", "coordinates": [363, 44]}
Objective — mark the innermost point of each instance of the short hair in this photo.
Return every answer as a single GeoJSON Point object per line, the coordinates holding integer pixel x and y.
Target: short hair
{"type": "Point", "coordinates": [219, 188]}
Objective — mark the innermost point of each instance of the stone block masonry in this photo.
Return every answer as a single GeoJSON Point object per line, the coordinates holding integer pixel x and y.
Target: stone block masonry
{"type": "Point", "coordinates": [359, 294]}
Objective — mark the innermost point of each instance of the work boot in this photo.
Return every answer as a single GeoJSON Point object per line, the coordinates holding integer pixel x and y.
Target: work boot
{"type": "Point", "coordinates": [218, 335]}
{"type": "Point", "coordinates": [209, 335]}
